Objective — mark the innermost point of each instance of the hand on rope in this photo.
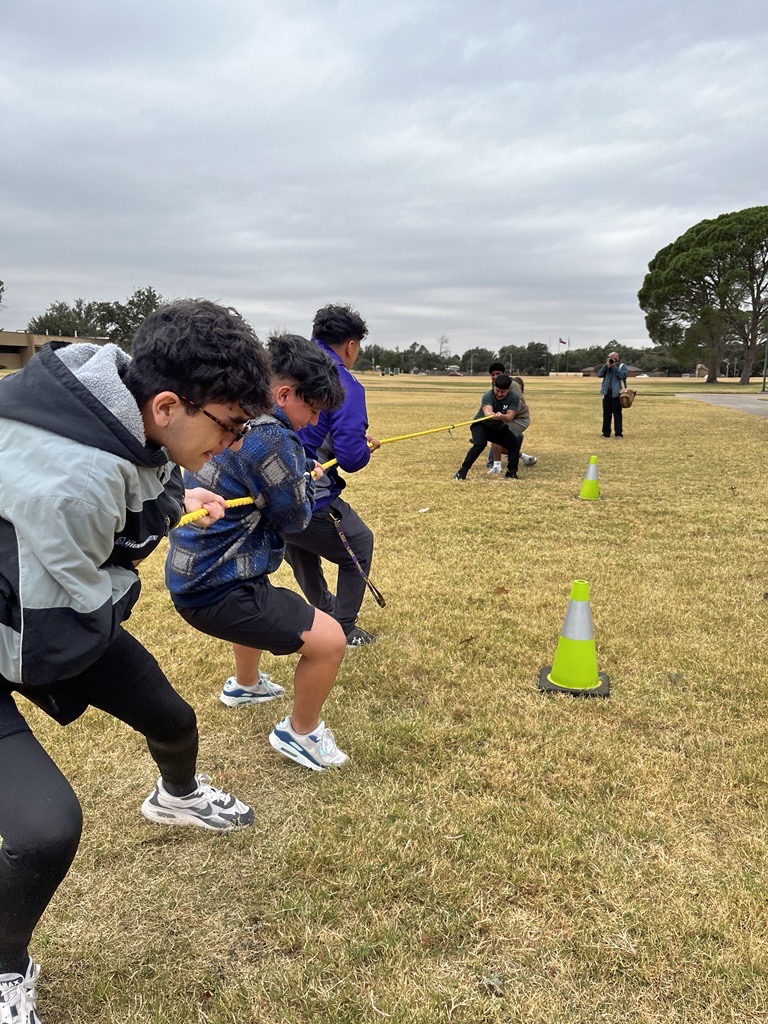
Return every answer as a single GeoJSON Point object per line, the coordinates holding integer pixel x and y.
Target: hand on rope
{"type": "Point", "coordinates": [201, 513]}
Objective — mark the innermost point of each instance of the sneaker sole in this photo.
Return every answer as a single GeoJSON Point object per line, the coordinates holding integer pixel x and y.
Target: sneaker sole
{"type": "Point", "coordinates": [236, 702]}
{"type": "Point", "coordinates": [299, 758]}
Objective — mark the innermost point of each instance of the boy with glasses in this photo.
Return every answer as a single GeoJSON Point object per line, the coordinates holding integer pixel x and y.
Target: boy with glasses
{"type": "Point", "coordinates": [219, 577]}
{"type": "Point", "coordinates": [89, 438]}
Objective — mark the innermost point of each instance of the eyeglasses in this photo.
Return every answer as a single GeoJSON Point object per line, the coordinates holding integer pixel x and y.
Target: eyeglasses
{"type": "Point", "coordinates": [237, 435]}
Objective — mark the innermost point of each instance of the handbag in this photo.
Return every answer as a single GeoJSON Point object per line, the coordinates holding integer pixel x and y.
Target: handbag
{"type": "Point", "coordinates": [626, 396]}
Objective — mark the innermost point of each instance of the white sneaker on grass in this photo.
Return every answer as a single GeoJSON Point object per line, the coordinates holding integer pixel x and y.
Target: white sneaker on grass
{"type": "Point", "coordinates": [317, 750]}
{"type": "Point", "coordinates": [233, 694]}
{"type": "Point", "coordinates": [18, 997]}
{"type": "Point", "coordinates": [208, 807]}
{"type": "Point", "coordinates": [528, 460]}
{"type": "Point", "coordinates": [495, 469]}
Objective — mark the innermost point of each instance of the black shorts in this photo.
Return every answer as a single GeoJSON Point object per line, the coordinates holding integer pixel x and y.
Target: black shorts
{"type": "Point", "coordinates": [255, 614]}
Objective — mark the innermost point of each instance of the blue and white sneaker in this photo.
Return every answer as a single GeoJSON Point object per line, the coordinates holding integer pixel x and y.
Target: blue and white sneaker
{"type": "Point", "coordinates": [18, 996]}
{"type": "Point", "coordinates": [207, 807]}
{"type": "Point", "coordinates": [233, 695]}
{"type": "Point", "coordinates": [317, 751]}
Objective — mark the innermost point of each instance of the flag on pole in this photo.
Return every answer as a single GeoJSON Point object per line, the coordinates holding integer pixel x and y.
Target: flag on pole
{"type": "Point", "coordinates": [562, 342]}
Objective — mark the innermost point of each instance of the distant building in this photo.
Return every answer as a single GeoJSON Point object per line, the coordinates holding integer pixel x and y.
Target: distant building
{"type": "Point", "coordinates": [18, 347]}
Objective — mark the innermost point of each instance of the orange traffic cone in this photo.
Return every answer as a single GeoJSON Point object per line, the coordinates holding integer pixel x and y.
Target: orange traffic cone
{"type": "Point", "coordinates": [590, 488]}
{"type": "Point", "coordinates": [574, 669]}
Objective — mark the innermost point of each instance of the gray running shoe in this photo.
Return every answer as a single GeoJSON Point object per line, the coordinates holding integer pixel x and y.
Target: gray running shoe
{"type": "Point", "coordinates": [207, 807]}
{"type": "Point", "coordinates": [317, 751]}
{"type": "Point", "coordinates": [233, 695]}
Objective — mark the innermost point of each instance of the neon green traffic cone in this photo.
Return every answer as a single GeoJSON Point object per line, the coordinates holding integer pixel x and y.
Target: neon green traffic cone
{"type": "Point", "coordinates": [590, 488]}
{"type": "Point", "coordinates": [574, 669]}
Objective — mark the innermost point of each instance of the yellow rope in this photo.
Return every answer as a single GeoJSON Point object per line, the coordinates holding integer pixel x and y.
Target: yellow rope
{"type": "Point", "coordinates": [191, 517]}
{"type": "Point", "coordinates": [419, 433]}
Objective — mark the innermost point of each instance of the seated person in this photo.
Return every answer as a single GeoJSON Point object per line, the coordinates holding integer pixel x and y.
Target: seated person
{"type": "Point", "coordinates": [519, 425]}
{"type": "Point", "coordinates": [502, 404]}
{"type": "Point", "coordinates": [494, 457]}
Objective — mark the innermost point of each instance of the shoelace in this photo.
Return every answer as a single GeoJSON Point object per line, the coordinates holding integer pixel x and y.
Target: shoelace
{"type": "Point", "coordinates": [327, 744]}
{"type": "Point", "coordinates": [215, 796]}
{"type": "Point", "coordinates": [204, 786]}
{"type": "Point", "coordinates": [23, 995]}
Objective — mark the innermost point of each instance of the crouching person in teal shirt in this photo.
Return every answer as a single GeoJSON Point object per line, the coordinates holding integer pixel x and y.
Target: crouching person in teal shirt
{"type": "Point", "coordinates": [219, 577]}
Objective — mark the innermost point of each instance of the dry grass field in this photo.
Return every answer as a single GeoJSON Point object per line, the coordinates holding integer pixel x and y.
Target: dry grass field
{"type": "Point", "coordinates": [490, 854]}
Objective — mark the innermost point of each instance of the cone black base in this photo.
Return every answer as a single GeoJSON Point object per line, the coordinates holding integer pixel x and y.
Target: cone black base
{"type": "Point", "coordinates": [546, 686]}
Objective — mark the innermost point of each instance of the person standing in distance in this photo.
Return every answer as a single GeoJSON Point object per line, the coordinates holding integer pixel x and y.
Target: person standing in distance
{"type": "Point", "coordinates": [614, 374]}
{"type": "Point", "coordinates": [341, 434]}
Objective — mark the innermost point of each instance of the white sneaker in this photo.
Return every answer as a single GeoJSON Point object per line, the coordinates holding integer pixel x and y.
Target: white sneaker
{"type": "Point", "coordinates": [18, 997]}
{"type": "Point", "coordinates": [495, 469]}
{"type": "Point", "coordinates": [528, 460]}
{"type": "Point", "coordinates": [207, 807]}
{"type": "Point", "coordinates": [233, 694]}
{"type": "Point", "coordinates": [317, 751]}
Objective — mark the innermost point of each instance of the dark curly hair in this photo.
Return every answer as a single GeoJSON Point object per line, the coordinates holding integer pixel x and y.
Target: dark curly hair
{"type": "Point", "coordinates": [336, 324]}
{"type": "Point", "coordinates": [203, 351]}
{"type": "Point", "coordinates": [308, 367]}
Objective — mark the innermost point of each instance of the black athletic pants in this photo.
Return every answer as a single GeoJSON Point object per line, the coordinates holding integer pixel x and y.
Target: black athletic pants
{"type": "Point", "coordinates": [321, 540]}
{"type": "Point", "coordinates": [40, 816]}
{"type": "Point", "coordinates": [482, 435]}
{"type": "Point", "coordinates": [612, 410]}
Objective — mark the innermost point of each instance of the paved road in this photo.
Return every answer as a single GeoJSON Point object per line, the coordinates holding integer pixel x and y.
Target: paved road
{"type": "Point", "coordinates": [757, 405]}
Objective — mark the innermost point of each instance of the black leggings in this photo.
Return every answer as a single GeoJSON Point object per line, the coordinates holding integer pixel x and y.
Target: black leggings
{"type": "Point", "coordinates": [40, 817]}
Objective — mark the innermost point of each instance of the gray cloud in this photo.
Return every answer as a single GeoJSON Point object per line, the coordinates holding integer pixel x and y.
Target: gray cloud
{"type": "Point", "coordinates": [500, 173]}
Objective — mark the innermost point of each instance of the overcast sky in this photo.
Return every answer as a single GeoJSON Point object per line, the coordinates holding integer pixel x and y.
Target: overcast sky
{"type": "Point", "coordinates": [497, 172]}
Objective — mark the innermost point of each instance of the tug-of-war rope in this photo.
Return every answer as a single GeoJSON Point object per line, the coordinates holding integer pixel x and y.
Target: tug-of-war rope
{"type": "Point", "coordinates": [191, 517]}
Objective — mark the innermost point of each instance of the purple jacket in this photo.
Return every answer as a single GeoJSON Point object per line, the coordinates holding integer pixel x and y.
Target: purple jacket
{"type": "Point", "coordinates": [338, 435]}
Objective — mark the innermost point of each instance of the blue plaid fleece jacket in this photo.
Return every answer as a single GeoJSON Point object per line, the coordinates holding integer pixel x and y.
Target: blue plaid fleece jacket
{"type": "Point", "coordinates": [205, 562]}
